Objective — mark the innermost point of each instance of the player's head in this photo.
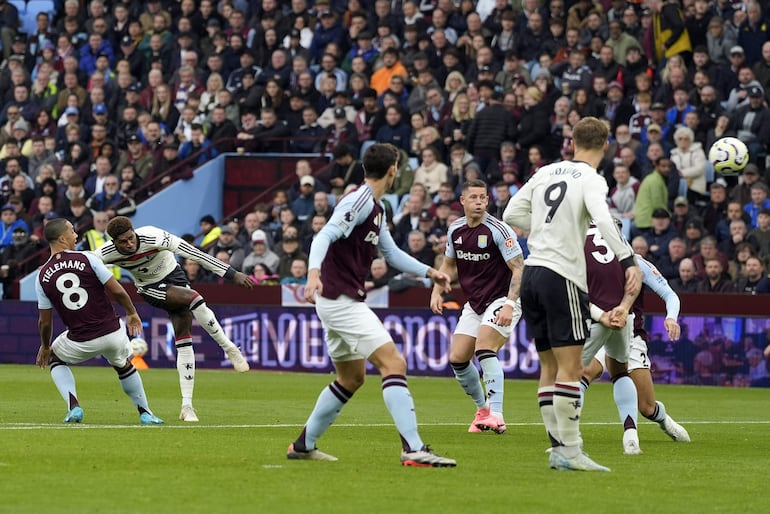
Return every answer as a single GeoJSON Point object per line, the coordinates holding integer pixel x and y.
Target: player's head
{"type": "Point", "coordinates": [590, 134]}
{"type": "Point", "coordinates": [379, 160]}
{"type": "Point", "coordinates": [474, 198]}
{"type": "Point", "coordinates": [121, 230]}
{"type": "Point", "coordinates": [60, 231]}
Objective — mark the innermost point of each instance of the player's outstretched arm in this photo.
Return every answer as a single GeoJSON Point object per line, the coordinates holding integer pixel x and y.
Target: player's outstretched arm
{"type": "Point", "coordinates": [505, 314]}
{"type": "Point", "coordinates": [653, 279]}
{"type": "Point", "coordinates": [120, 295]}
{"type": "Point", "coordinates": [44, 324]}
{"type": "Point", "coordinates": [243, 280]}
{"type": "Point", "coordinates": [449, 267]}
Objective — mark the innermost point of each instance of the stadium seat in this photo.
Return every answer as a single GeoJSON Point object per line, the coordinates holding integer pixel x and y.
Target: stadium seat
{"type": "Point", "coordinates": [20, 5]}
{"type": "Point", "coordinates": [38, 6]}
{"type": "Point", "coordinates": [28, 22]}
{"type": "Point", "coordinates": [364, 146]}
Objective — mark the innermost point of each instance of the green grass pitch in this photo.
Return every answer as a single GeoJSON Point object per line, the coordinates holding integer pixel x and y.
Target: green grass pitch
{"type": "Point", "coordinates": [234, 460]}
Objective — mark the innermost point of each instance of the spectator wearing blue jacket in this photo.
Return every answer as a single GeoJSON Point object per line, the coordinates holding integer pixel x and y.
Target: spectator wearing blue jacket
{"type": "Point", "coordinates": [198, 143]}
{"type": "Point", "coordinates": [758, 202]}
{"type": "Point", "coordinates": [328, 31]}
{"type": "Point", "coordinates": [10, 221]}
{"type": "Point", "coordinates": [96, 46]}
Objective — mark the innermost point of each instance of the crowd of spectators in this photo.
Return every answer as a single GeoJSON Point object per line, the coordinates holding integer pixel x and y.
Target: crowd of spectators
{"type": "Point", "coordinates": [103, 98]}
{"type": "Point", "coordinates": [106, 102]}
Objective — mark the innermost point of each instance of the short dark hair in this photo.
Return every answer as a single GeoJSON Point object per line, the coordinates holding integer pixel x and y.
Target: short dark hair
{"type": "Point", "coordinates": [54, 229]}
{"type": "Point", "coordinates": [378, 159]}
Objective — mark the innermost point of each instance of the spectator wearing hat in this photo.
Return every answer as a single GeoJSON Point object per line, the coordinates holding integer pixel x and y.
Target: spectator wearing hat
{"type": "Point", "coordinates": [342, 131]}
{"type": "Point", "coordinates": [17, 260]}
{"type": "Point", "coordinates": [751, 124]}
{"type": "Point", "coordinates": [171, 167]}
{"type": "Point", "coordinates": [683, 213]}
{"type": "Point", "coordinates": [9, 221]}
{"type": "Point", "coordinates": [692, 234]}
{"type": "Point", "coordinates": [363, 48]}
{"type": "Point", "coordinates": [303, 204]}
{"type": "Point", "coordinates": [127, 51]}
{"type": "Point", "coordinates": [759, 237]}
{"type": "Point", "coordinates": [226, 242]}
{"type": "Point", "coordinates": [260, 253]}
{"type": "Point", "coordinates": [720, 39]}
{"type": "Point", "coordinates": [716, 209]}
{"type": "Point", "coordinates": [328, 31]}
{"type": "Point", "coordinates": [660, 233]}
{"type": "Point", "coordinates": [741, 192]}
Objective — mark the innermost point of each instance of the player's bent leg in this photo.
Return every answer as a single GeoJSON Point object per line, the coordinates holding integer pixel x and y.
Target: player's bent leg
{"type": "Point", "coordinates": [331, 400]}
{"type": "Point", "coordinates": [488, 343]}
{"type": "Point", "coordinates": [194, 301]}
{"type": "Point", "coordinates": [467, 375]}
{"type": "Point", "coordinates": [655, 410]}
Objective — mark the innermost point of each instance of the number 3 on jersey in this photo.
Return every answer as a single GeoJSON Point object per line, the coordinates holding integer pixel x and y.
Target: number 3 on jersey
{"type": "Point", "coordinates": [73, 296]}
{"type": "Point", "coordinates": [603, 257]}
{"type": "Point", "coordinates": [554, 200]}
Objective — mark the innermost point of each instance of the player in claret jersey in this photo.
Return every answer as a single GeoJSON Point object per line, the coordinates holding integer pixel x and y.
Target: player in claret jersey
{"type": "Point", "coordinates": [485, 256]}
{"type": "Point", "coordinates": [149, 253]}
{"type": "Point", "coordinates": [74, 284]}
{"type": "Point", "coordinates": [340, 258]}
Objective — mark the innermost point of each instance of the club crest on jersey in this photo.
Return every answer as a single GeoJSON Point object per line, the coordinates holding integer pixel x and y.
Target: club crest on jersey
{"type": "Point", "coordinates": [483, 241]}
{"type": "Point", "coordinates": [509, 243]}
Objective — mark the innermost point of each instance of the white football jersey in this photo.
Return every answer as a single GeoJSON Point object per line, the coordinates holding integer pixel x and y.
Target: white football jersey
{"type": "Point", "coordinates": [556, 206]}
{"type": "Point", "coordinates": [155, 256]}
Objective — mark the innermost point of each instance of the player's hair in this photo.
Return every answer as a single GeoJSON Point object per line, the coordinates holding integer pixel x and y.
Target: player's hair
{"type": "Point", "coordinates": [379, 158]}
{"type": "Point", "coordinates": [54, 229]}
{"type": "Point", "coordinates": [590, 133]}
{"type": "Point", "coordinates": [473, 183]}
{"type": "Point", "coordinates": [118, 225]}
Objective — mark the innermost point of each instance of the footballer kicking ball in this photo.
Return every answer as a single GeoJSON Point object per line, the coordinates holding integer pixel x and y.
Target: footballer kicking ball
{"type": "Point", "coordinates": [729, 156]}
{"type": "Point", "coordinates": [139, 346]}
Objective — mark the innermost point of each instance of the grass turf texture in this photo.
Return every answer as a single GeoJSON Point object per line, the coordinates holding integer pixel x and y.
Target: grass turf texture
{"type": "Point", "coordinates": [234, 459]}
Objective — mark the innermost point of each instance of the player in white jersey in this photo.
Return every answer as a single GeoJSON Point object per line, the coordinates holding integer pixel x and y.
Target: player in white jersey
{"type": "Point", "coordinates": [556, 206]}
{"type": "Point", "coordinates": [479, 246]}
{"type": "Point", "coordinates": [149, 253]}
{"type": "Point", "coordinates": [639, 362]}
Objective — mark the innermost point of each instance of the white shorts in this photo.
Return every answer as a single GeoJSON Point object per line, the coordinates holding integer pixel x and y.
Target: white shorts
{"type": "Point", "coordinates": [616, 343]}
{"type": "Point", "coordinates": [115, 347]}
{"type": "Point", "coordinates": [637, 357]}
{"type": "Point", "coordinates": [353, 330]}
{"type": "Point", "coordinates": [469, 321]}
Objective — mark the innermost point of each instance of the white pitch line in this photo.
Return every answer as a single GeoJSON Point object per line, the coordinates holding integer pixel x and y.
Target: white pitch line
{"type": "Point", "coordinates": [50, 426]}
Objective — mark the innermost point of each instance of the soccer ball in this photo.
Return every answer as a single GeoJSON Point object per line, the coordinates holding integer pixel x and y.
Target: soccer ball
{"type": "Point", "coordinates": [139, 346]}
{"type": "Point", "coordinates": [729, 156]}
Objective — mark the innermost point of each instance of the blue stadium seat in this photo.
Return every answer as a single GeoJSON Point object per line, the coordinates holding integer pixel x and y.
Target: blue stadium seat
{"type": "Point", "coordinates": [38, 6]}
{"type": "Point", "coordinates": [28, 22]}
{"type": "Point", "coordinates": [364, 146]}
{"type": "Point", "coordinates": [21, 6]}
